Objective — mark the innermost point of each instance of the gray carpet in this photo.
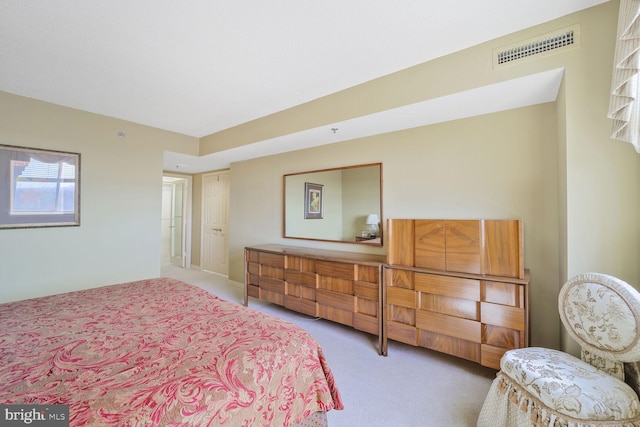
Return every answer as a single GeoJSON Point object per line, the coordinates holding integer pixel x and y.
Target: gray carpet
{"type": "Point", "coordinates": [410, 387]}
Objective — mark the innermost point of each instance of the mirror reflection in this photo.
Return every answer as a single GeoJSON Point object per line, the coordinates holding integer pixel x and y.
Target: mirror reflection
{"type": "Point", "coordinates": [338, 205]}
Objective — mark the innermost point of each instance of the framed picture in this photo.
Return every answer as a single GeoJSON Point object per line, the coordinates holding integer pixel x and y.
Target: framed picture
{"type": "Point", "coordinates": [38, 188]}
{"type": "Point", "coordinates": [312, 201]}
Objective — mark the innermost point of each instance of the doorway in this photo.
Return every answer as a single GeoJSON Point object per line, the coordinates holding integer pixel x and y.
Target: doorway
{"type": "Point", "coordinates": [215, 222]}
{"type": "Point", "coordinates": [176, 220]}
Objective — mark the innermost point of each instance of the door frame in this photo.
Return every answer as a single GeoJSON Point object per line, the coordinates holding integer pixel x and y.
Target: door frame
{"type": "Point", "coordinates": [186, 213]}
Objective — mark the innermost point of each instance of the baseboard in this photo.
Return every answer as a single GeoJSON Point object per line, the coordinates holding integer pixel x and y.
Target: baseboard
{"type": "Point", "coordinates": [235, 283]}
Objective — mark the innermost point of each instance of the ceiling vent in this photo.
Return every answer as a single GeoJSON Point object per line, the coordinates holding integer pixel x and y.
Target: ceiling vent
{"type": "Point", "coordinates": [545, 44]}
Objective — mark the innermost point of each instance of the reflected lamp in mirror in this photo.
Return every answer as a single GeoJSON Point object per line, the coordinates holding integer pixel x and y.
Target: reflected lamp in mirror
{"type": "Point", "coordinates": [372, 222]}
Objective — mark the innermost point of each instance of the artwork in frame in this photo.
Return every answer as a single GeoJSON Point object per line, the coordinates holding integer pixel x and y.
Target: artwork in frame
{"type": "Point", "coordinates": [38, 188]}
{"type": "Point", "coordinates": [312, 201]}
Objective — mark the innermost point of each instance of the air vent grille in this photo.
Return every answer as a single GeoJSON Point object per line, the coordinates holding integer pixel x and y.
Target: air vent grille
{"type": "Point", "coordinates": [545, 44]}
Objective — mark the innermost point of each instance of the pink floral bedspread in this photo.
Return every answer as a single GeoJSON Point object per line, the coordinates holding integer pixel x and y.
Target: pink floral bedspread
{"type": "Point", "coordinates": [160, 352]}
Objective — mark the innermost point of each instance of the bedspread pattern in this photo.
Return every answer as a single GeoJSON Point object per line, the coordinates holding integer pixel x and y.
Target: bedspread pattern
{"type": "Point", "coordinates": [160, 352]}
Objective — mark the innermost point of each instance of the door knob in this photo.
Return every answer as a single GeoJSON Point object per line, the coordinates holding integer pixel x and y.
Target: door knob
{"type": "Point", "coordinates": [216, 229]}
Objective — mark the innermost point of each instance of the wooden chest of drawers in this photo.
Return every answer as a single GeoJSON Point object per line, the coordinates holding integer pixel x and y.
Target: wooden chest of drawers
{"type": "Point", "coordinates": [454, 286]}
{"type": "Point", "coordinates": [343, 287]}
{"type": "Point", "coordinates": [457, 286]}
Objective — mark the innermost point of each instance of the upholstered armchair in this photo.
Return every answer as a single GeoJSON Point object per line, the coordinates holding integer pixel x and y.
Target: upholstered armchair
{"type": "Point", "coordinates": [544, 387]}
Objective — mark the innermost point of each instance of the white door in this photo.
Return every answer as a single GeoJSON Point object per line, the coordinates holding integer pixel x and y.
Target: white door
{"type": "Point", "coordinates": [178, 224]}
{"type": "Point", "coordinates": [215, 222]}
{"type": "Point", "coordinates": [175, 220]}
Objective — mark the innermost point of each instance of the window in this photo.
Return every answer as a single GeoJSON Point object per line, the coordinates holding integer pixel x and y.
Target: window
{"type": "Point", "coordinates": [42, 188]}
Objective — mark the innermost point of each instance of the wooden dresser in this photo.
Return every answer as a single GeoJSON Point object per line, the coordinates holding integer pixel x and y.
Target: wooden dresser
{"type": "Point", "coordinates": [343, 287]}
{"type": "Point", "coordinates": [457, 286]}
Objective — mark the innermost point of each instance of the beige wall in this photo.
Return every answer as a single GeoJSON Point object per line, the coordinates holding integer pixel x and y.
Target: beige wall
{"type": "Point", "coordinates": [602, 175]}
{"type": "Point", "coordinates": [121, 188]}
{"type": "Point", "coordinates": [552, 165]}
{"type": "Point", "coordinates": [494, 166]}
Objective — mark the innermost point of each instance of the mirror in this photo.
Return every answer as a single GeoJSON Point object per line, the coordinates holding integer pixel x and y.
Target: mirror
{"type": "Point", "coordinates": [335, 205]}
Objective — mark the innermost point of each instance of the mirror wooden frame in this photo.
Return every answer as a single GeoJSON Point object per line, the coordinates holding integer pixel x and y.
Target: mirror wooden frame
{"type": "Point", "coordinates": [295, 194]}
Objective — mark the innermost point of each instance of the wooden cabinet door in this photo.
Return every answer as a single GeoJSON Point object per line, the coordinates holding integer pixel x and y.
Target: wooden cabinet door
{"type": "Point", "coordinates": [445, 245]}
{"type": "Point", "coordinates": [400, 234]}
{"type": "Point", "coordinates": [503, 248]}
{"type": "Point", "coordinates": [464, 246]}
{"type": "Point", "coordinates": [475, 246]}
{"type": "Point", "coordinates": [430, 244]}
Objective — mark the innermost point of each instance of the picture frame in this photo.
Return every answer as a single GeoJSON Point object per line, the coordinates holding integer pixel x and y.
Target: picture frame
{"type": "Point", "coordinates": [313, 200]}
{"type": "Point", "coordinates": [38, 188]}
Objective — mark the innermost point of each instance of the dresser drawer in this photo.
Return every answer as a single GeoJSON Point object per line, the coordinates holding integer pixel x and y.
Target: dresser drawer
{"type": "Point", "coordinates": [502, 315]}
{"type": "Point", "coordinates": [402, 297]}
{"type": "Point", "coordinates": [336, 269]}
{"type": "Point", "coordinates": [273, 260]}
{"type": "Point", "coordinates": [335, 299]}
{"type": "Point", "coordinates": [457, 287]}
{"type": "Point", "coordinates": [301, 305]}
{"type": "Point", "coordinates": [366, 290]}
{"type": "Point", "coordinates": [335, 284]}
{"type": "Point", "coordinates": [456, 307]}
{"type": "Point", "coordinates": [274, 285]}
{"type": "Point", "coordinates": [465, 329]}
{"type": "Point", "coordinates": [503, 293]}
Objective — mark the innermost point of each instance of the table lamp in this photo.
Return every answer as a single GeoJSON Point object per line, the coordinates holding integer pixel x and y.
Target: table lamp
{"type": "Point", "coordinates": [372, 222]}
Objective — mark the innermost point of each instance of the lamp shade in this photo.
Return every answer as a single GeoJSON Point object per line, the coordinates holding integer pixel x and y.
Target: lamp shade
{"type": "Point", "coordinates": [372, 219]}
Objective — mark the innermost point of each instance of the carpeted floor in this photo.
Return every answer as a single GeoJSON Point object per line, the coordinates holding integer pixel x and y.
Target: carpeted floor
{"type": "Point", "coordinates": [412, 387]}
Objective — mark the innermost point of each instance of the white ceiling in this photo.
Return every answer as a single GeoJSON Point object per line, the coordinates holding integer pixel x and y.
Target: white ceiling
{"type": "Point", "coordinates": [202, 66]}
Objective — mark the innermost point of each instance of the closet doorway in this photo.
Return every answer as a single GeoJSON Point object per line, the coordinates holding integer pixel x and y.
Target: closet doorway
{"type": "Point", "coordinates": [215, 222]}
{"type": "Point", "coordinates": [176, 220]}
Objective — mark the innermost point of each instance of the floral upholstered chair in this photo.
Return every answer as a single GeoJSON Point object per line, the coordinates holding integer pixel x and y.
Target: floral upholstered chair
{"type": "Point", "coordinates": [544, 387]}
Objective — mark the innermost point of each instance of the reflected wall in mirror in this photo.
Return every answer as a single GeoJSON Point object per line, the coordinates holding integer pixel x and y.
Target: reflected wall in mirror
{"type": "Point", "coordinates": [350, 195]}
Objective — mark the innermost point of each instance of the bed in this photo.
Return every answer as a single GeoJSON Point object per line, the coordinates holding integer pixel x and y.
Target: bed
{"type": "Point", "coordinates": [162, 352]}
